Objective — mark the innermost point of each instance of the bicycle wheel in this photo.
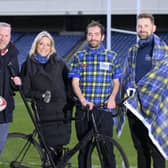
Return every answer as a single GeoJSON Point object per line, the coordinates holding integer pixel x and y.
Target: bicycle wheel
{"type": "Point", "coordinates": [21, 151]}
{"type": "Point", "coordinates": [94, 157]}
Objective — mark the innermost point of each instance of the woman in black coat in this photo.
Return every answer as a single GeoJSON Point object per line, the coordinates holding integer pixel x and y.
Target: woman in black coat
{"type": "Point", "coordinates": [45, 80]}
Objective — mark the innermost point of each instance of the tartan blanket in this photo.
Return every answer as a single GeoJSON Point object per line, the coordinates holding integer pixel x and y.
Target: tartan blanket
{"type": "Point", "coordinates": [150, 104]}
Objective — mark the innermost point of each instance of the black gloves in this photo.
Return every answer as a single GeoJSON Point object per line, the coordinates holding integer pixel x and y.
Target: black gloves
{"type": "Point", "coordinates": [46, 96]}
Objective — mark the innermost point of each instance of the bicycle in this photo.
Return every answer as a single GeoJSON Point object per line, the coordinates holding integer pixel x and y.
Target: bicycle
{"type": "Point", "coordinates": [24, 150]}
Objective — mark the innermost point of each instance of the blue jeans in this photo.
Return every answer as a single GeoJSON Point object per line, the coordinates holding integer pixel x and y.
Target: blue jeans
{"type": "Point", "coordinates": [3, 135]}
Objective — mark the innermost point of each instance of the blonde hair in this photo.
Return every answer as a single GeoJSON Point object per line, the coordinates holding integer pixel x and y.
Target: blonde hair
{"type": "Point", "coordinates": [37, 39]}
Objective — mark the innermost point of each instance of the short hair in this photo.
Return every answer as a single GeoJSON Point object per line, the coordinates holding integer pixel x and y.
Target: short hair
{"type": "Point", "coordinates": [39, 36]}
{"type": "Point", "coordinates": [146, 15]}
{"type": "Point", "coordinates": [94, 23]}
{"type": "Point", "coordinates": [4, 24]}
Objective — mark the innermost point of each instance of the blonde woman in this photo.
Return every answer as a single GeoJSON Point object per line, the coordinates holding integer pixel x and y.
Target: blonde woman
{"type": "Point", "coordinates": [44, 77]}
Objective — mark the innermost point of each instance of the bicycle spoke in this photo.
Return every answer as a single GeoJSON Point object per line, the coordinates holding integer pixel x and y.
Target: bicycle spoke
{"type": "Point", "coordinates": [17, 155]}
{"type": "Point", "coordinates": [107, 144]}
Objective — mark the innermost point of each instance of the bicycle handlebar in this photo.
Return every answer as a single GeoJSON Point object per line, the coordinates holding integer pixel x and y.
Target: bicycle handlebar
{"type": "Point", "coordinates": [86, 110]}
{"type": "Point", "coordinates": [103, 107]}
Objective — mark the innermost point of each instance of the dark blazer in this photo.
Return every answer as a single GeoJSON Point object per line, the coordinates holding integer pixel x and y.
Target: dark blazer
{"type": "Point", "coordinates": [52, 76]}
{"type": "Point", "coordinates": [6, 86]}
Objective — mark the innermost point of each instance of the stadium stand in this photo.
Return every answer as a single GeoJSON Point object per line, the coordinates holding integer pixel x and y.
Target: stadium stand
{"type": "Point", "coordinates": [65, 43]}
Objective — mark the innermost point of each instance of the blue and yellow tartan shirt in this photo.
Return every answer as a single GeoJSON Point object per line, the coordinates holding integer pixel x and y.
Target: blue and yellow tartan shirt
{"type": "Point", "coordinates": [96, 68]}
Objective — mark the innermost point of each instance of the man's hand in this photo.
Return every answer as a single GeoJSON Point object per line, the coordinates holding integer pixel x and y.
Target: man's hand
{"type": "Point", "coordinates": [17, 81]}
{"type": "Point", "coordinates": [110, 103]}
{"type": "Point", "coordinates": [84, 102]}
{"type": "Point", "coordinates": [131, 92]}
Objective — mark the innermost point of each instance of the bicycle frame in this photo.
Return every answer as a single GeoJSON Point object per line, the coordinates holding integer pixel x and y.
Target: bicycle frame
{"type": "Point", "coordinates": [37, 128]}
{"type": "Point", "coordinates": [93, 134]}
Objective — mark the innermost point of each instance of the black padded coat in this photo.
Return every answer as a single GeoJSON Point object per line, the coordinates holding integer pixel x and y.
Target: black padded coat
{"type": "Point", "coordinates": [52, 76]}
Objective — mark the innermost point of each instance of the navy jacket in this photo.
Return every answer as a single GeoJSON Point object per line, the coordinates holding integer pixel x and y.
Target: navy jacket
{"type": "Point", "coordinates": [6, 86]}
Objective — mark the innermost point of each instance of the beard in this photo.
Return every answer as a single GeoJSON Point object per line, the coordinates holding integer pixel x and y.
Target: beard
{"type": "Point", "coordinates": [94, 43]}
{"type": "Point", "coordinates": [143, 35]}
